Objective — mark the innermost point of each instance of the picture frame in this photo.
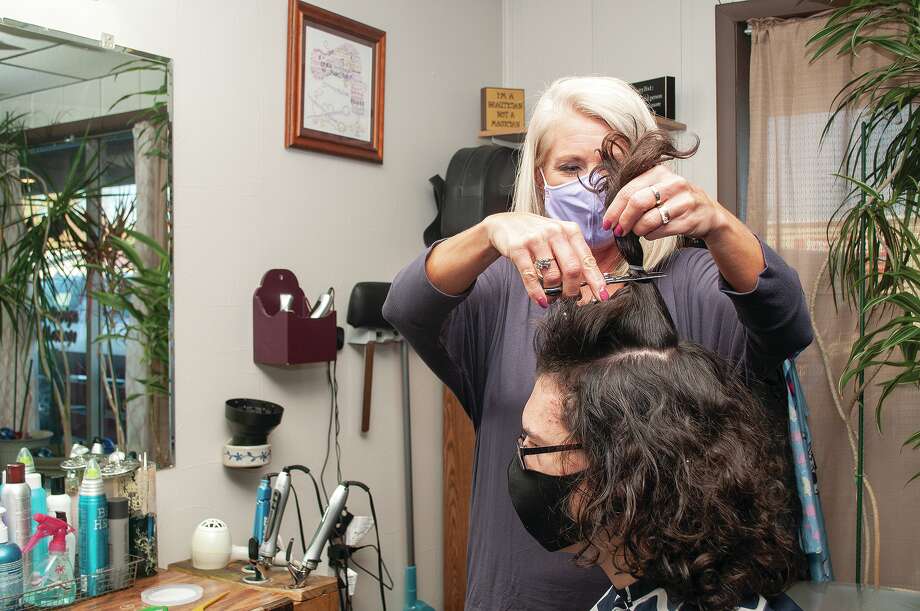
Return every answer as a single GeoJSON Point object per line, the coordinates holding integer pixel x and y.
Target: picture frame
{"type": "Point", "coordinates": [335, 84]}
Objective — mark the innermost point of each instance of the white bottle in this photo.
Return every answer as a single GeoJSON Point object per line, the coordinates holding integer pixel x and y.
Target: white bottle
{"type": "Point", "coordinates": [59, 502]}
{"type": "Point", "coordinates": [17, 499]}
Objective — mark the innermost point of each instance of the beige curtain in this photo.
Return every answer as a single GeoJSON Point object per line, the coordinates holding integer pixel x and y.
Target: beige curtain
{"type": "Point", "coordinates": [14, 351]}
{"type": "Point", "coordinates": [144, 414]}
{"type": "Point", "coordinates": [792, 195]}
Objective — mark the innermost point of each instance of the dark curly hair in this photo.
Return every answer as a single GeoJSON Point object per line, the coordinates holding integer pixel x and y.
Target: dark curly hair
{"type": "Point", "coordinates": [685, 477]}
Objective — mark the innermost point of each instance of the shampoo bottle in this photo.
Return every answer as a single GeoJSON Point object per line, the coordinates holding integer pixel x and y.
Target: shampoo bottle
{"type": "Point", "coordinates": [17, 499]}
{"type": "Point", "coordinates": [59, 503]}
{"type": "Point", "coordinates": [39, 505]}
{"type": "Point", "coordinates": [10, 570]}
{"type": "Point", "coordinates": [57, 570]}
{"type": "Point", "coordinates": [94, 528]}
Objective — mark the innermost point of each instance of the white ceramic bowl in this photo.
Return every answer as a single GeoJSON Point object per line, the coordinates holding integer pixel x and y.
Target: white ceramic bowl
{"type": "Point", "coordinates": [247, 457]}
{"type": "Point", "coordinates": [211, 545]}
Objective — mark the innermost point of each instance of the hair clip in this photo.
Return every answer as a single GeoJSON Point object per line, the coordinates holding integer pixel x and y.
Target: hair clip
{"type": "Point", "coordinates": [555, 291]}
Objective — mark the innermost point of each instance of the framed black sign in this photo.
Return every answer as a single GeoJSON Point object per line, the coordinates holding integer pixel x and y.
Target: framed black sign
{"type": "Point", "coordinates": [658, 94]}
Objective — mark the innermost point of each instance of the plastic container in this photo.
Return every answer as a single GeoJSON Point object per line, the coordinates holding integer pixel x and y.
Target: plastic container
{"type": "Point", "coordinates": [59, 503]}
{"type": "Point", "coordinates": [39, 500]}
{"type": "Point", "coordinates": [57, 586]}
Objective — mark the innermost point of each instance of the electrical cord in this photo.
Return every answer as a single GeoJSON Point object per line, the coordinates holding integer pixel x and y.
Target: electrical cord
{"type": "Point", "coordinates": [370, 498]}
{"type": "Point", "coordinates": [386, 570]}
{"type": "Point", "coordinates": [333, 418]}
{"type": "Point", "coordinates": [303, 540]}
{"type": "Point", "coordinates": [303, 469]}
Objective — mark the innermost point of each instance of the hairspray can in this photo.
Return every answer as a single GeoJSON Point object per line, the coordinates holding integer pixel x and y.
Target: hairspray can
{"type": "Point", "coordinates": [94, 528]}
{"type": "Point", "coordinates": [118, 541]}
{"type": "Point", "coordinates": [17, 499]}
{"type": "Point", "coordinates": [10, 570]}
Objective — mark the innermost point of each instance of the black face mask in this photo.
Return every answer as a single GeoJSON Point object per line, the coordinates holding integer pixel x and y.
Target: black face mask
{"type": "Point", "coordinates": [541, 501]}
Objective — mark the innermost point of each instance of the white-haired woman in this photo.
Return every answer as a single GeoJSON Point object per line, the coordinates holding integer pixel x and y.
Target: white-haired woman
{"type": "Point", "coordinates": [468, 306]}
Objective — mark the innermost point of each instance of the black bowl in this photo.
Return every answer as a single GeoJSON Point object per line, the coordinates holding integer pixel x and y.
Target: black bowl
{"type": "Point", "coordinates": [251, 420]}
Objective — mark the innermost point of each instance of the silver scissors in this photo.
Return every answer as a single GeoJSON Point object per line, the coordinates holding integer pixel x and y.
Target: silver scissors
{"type": "Point", "coordinates": [554, 291]}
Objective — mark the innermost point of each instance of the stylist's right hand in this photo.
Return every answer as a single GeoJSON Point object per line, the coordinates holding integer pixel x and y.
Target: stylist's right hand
{"type": "Point", "coordinates": [526, 238]}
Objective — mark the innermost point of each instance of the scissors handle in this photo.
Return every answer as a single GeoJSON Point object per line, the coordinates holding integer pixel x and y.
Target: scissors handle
{"type": "Point", "coordinates": [555, 291]}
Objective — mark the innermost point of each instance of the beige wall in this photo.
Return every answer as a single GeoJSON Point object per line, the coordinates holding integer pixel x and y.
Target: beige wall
{"type": "Point", "coordinates": [634, 41]}
{"type": "Point", "coordinates": [244, 204]}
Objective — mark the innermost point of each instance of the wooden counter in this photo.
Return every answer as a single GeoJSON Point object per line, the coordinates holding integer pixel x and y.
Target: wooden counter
{"type": "Point", "coordinates": [320, 595]}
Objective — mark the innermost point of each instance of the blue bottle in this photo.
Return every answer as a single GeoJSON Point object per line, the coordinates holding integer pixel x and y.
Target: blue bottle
{"type": "Point", "coordinates": [94, 529]}
{"type": "Point", "coordinates": [39, 505]}
{"type": "Point", "coordinates": [10, 570]}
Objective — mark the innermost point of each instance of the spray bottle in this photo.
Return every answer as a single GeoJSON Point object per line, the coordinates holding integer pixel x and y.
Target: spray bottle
{"type": "Point", "coordinates": [59, 503]}
{"type": "Point", "coordinates": [94, 528]}
{"type": "Point", "coordinates": [10, 570]}
{"type": "Point", "coordinates": [39, 505]}
{"type": "Point", "coordinates": [57, 571]}
{"type": "Point", "coordinates": [17, 499]}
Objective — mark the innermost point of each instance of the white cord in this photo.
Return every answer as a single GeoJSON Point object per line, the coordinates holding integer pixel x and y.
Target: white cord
{"type": "Point", "coordinates": [851, 435]}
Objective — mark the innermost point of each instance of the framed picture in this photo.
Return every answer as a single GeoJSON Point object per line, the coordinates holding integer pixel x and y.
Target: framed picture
{"type": "Point", "coordinates": [335, 78]}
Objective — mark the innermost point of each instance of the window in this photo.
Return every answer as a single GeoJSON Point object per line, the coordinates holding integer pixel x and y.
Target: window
{"type": "Point", "coordinates": [92, 362]}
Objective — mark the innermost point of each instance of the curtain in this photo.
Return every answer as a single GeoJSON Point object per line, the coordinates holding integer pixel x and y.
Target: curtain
{"type": "Point", "coordinates": [792, 195]}
{"type": "Point", "coordinates": [15, 348]}
{"type": "Point", "coordinates": [145, 414]}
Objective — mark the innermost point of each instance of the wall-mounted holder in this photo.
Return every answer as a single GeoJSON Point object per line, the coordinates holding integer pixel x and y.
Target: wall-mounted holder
{"type": "Point", "coordinates": [282, 331]}
{"type": "Point", "coordinates": [369, 328]}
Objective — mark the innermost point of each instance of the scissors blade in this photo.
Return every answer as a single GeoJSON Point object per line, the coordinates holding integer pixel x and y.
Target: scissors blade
{"type": "Point", "coordinates": [555, 291]}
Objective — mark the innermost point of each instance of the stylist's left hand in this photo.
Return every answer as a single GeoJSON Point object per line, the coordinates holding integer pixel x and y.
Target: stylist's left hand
{"type": "Point", "coordinates": [692, 212]}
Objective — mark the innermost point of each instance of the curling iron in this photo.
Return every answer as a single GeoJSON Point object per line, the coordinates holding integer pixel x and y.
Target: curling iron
{"type": "Point", "coordinates": [334, 511]}
{"type": "Point", "coordinates": [269, 546]}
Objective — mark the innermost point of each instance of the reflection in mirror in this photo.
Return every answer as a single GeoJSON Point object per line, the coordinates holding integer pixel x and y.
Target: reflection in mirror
{"type": "Point", "coordinates": [85, 248]}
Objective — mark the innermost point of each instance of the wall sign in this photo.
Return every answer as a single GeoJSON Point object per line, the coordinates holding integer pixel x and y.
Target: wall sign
{"type": "Point", "coordinates": [658, 94]}
{"type": "Point", "coordinates": [502, 109]}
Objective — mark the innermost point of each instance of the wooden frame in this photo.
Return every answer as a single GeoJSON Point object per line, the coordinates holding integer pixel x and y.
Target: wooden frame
{"type": "Point", "coordinates": [733, 79]}
{"type": "Point", "coordinates": [299, 134]}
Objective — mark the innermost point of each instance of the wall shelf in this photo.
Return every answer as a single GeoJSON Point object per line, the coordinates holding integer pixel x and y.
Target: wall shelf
{"type": "Point", "coordinates": [517, 136]}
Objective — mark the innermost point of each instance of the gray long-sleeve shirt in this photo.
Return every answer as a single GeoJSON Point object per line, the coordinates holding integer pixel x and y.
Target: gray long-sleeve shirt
{"type": "Point", "coordinates": [480, 344]}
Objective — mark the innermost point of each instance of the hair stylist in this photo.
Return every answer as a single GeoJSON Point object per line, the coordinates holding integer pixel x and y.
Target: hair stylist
{"type": "Point", "coordinates": [469, 306]}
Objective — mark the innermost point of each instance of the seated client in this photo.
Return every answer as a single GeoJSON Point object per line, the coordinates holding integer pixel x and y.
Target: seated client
{"type": "Point", "coordinates": [647, 456]}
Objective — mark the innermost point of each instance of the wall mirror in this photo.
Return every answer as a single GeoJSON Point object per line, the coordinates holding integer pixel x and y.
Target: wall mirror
{"type": "Point", "coordinates": [86, 244]}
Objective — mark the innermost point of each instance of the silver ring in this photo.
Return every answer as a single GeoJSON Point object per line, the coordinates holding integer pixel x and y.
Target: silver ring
{"type": "Point", "coordinates": [663, 213]}
{"type": "Point", "coordinates": [543, 264]}
{"type": "Point", "coordinates": [657, 195]}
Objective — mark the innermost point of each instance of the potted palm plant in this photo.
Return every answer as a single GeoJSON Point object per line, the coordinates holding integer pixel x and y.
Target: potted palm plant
{"type": "Point", "coordinates": [874, 258]}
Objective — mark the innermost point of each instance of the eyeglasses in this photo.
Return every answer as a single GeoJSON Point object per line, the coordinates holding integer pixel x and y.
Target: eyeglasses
{"type": "Point", "coordinates": [522, 451]}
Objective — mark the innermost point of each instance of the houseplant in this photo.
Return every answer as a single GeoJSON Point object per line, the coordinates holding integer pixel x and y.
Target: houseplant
{"type": "Point", "coordinates": [874, 257]}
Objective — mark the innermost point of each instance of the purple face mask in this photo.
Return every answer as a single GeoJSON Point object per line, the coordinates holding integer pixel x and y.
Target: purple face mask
{"type": "Point", "coordinates": [574, 201]}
